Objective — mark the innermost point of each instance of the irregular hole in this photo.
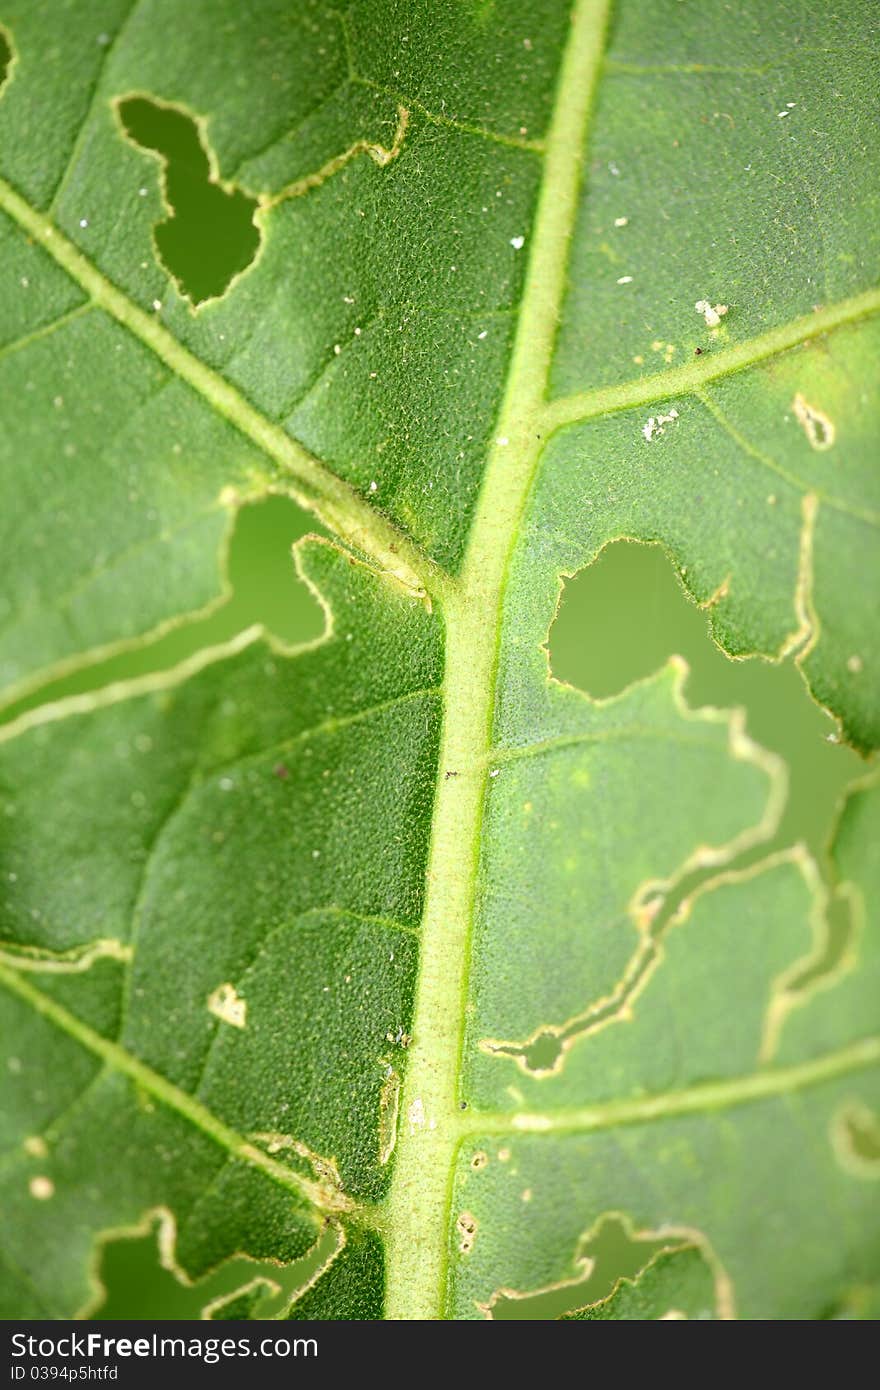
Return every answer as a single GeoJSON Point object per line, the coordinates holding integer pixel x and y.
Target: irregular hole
{"type": "Point", "coordinates": [210, 235]}
{"type": "Point", "coordinates": [622, 617]}
{"type": "Point", "coordinates": [541, 1054]}
{"type": "Point", "coordinates": [138, 1285]}
{"type": "Point", "coordinates": [611, 1253]}
{"type": "Point", "coordinates": [631, 606]}
{"type": "Point", "coordinates": [265, 589]}
{"type": "Point", "coordinates": [816, 425]}
{"type": "Point", "coordinates": [863, 1131]}
{"type": "Point", "coordinates": [856, 1139]}
{"type": "Point", "coordinates": [5, 57]}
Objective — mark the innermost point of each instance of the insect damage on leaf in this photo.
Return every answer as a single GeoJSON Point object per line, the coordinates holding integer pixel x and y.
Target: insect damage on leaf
{"type": "Point", "coordinates": [6, 56]}
{"type": "Point", "coordinates": [214, 230]}
{"type": "Point", "coordinates": [225, 1003]}
{"type": "Point", "coordinates": [816, 425]}
{"type": "Point", "coordinates": [855, 1135]}
{"type": "Point", "coordinates": [597, 1285]}
{"type": "Point", "coordinates": [387, 950]}
{"type": "Point", "coordinates": [195, 198]}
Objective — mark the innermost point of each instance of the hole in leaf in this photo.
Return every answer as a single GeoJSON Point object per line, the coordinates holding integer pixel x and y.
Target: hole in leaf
{"type": "Point", "coordinates": [209, 236]}
{"type": "Point", "coordinates": [543, 1054]}
{"type": "Point", "coordinates": [139, 1286]}
{"type": "Point", "coordinates": [5, 57]}
{"type": "Point", "coordinates": [619, 621]}
{"type": "Point", "coordinates": [265, 590]}
{"type": "Point", "coordinates": [622, 617]}
{"type": "Point", "coordinates": [862, 1132]}
{"type": "Point", "coordinates": [615, 1251]}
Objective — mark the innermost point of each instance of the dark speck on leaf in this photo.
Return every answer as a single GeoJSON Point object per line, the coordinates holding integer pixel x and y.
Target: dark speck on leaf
{"type": "Point", "coordinates": [698, 352]}
{"type": "Point", "coordinates": [281, 771]}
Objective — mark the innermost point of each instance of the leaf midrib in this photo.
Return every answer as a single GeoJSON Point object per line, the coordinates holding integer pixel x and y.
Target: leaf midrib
{"type": "Point", "coordinates": [419, 1200]}
{"type": "Point", "coordinates": [700, 1098]}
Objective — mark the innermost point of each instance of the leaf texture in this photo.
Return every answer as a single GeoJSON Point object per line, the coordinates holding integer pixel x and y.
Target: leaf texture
{"type": "Point", "coordinates": [392, 942]}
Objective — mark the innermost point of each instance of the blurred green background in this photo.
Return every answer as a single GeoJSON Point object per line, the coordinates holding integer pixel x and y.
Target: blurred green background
{"type": "Point", "coordinates": [619, 620]}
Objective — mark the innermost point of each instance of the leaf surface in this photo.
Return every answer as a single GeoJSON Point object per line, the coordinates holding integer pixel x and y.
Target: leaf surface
{"type": "Point", "coordinates": [392, 940]}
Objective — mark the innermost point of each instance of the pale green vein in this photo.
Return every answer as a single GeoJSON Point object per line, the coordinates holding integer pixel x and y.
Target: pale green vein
{"type": "Point", "coordinates": [334, 724]}
{"type": "Point", "coordinates": [202, 777]}
{"type": "Point", "coordinates": [24, 1278]}
{"type": "Point", "coordinates": [418, 1204]}
{"type": "Point", "coordinates": [369, 919]}
{"type": "Point", "coordinates": [312, 484]}
{"type": "Point", "coordinates": [516, 142]}
{"type": "Point", "coordinates": [118, 1059]}
{"type": "Point", "coordinates": [502, 756]}
{"type": "Point", "coordinates": [17, 344]}
{"type": "Point", "coordinates": [699, 1099]}
{"type": "Point", "coordinates": [68, 597]}
{"type": "Point", "coordinates": [615, 67]}
{"type": "Point", "coordinates": [837, 504]}
{"type": "Point", "coordinates": [77, 147]}
{"type": "Point", "coordinates": [687, 379]}
{"type": "Point", "coordinates": [621, 67]}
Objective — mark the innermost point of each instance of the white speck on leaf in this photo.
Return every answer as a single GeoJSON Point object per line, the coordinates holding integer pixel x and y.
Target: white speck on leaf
{"type": "Point", "coordinates": [625, 280]}
{"type": "Point", "coordinates": [712, 313]}
{"type": "Point", "coordinates": [42, 1188]}
{"type": "Point", "coordinates": [226, 1004]}
{"type": "Point", "coordinates": [654, 425]}
{"type": "Point", "coordinates": [517, 242]}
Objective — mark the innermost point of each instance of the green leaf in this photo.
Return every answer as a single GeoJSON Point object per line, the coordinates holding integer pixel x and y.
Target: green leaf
{"type": "Point", "coordinates": [390, 947]}
{"type": "Point", "coordinates": [675, 1284]}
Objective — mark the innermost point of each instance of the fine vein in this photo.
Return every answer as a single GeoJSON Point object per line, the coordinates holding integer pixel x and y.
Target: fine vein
{"type": "Point", "coordinates": [118, 1059]}
{"type": "Point", "coordinates": [684, 380]}
{"type": "Point", "coordinates": [699, 1099]}
{"type": "Point", "coordinates": [312, 484]}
